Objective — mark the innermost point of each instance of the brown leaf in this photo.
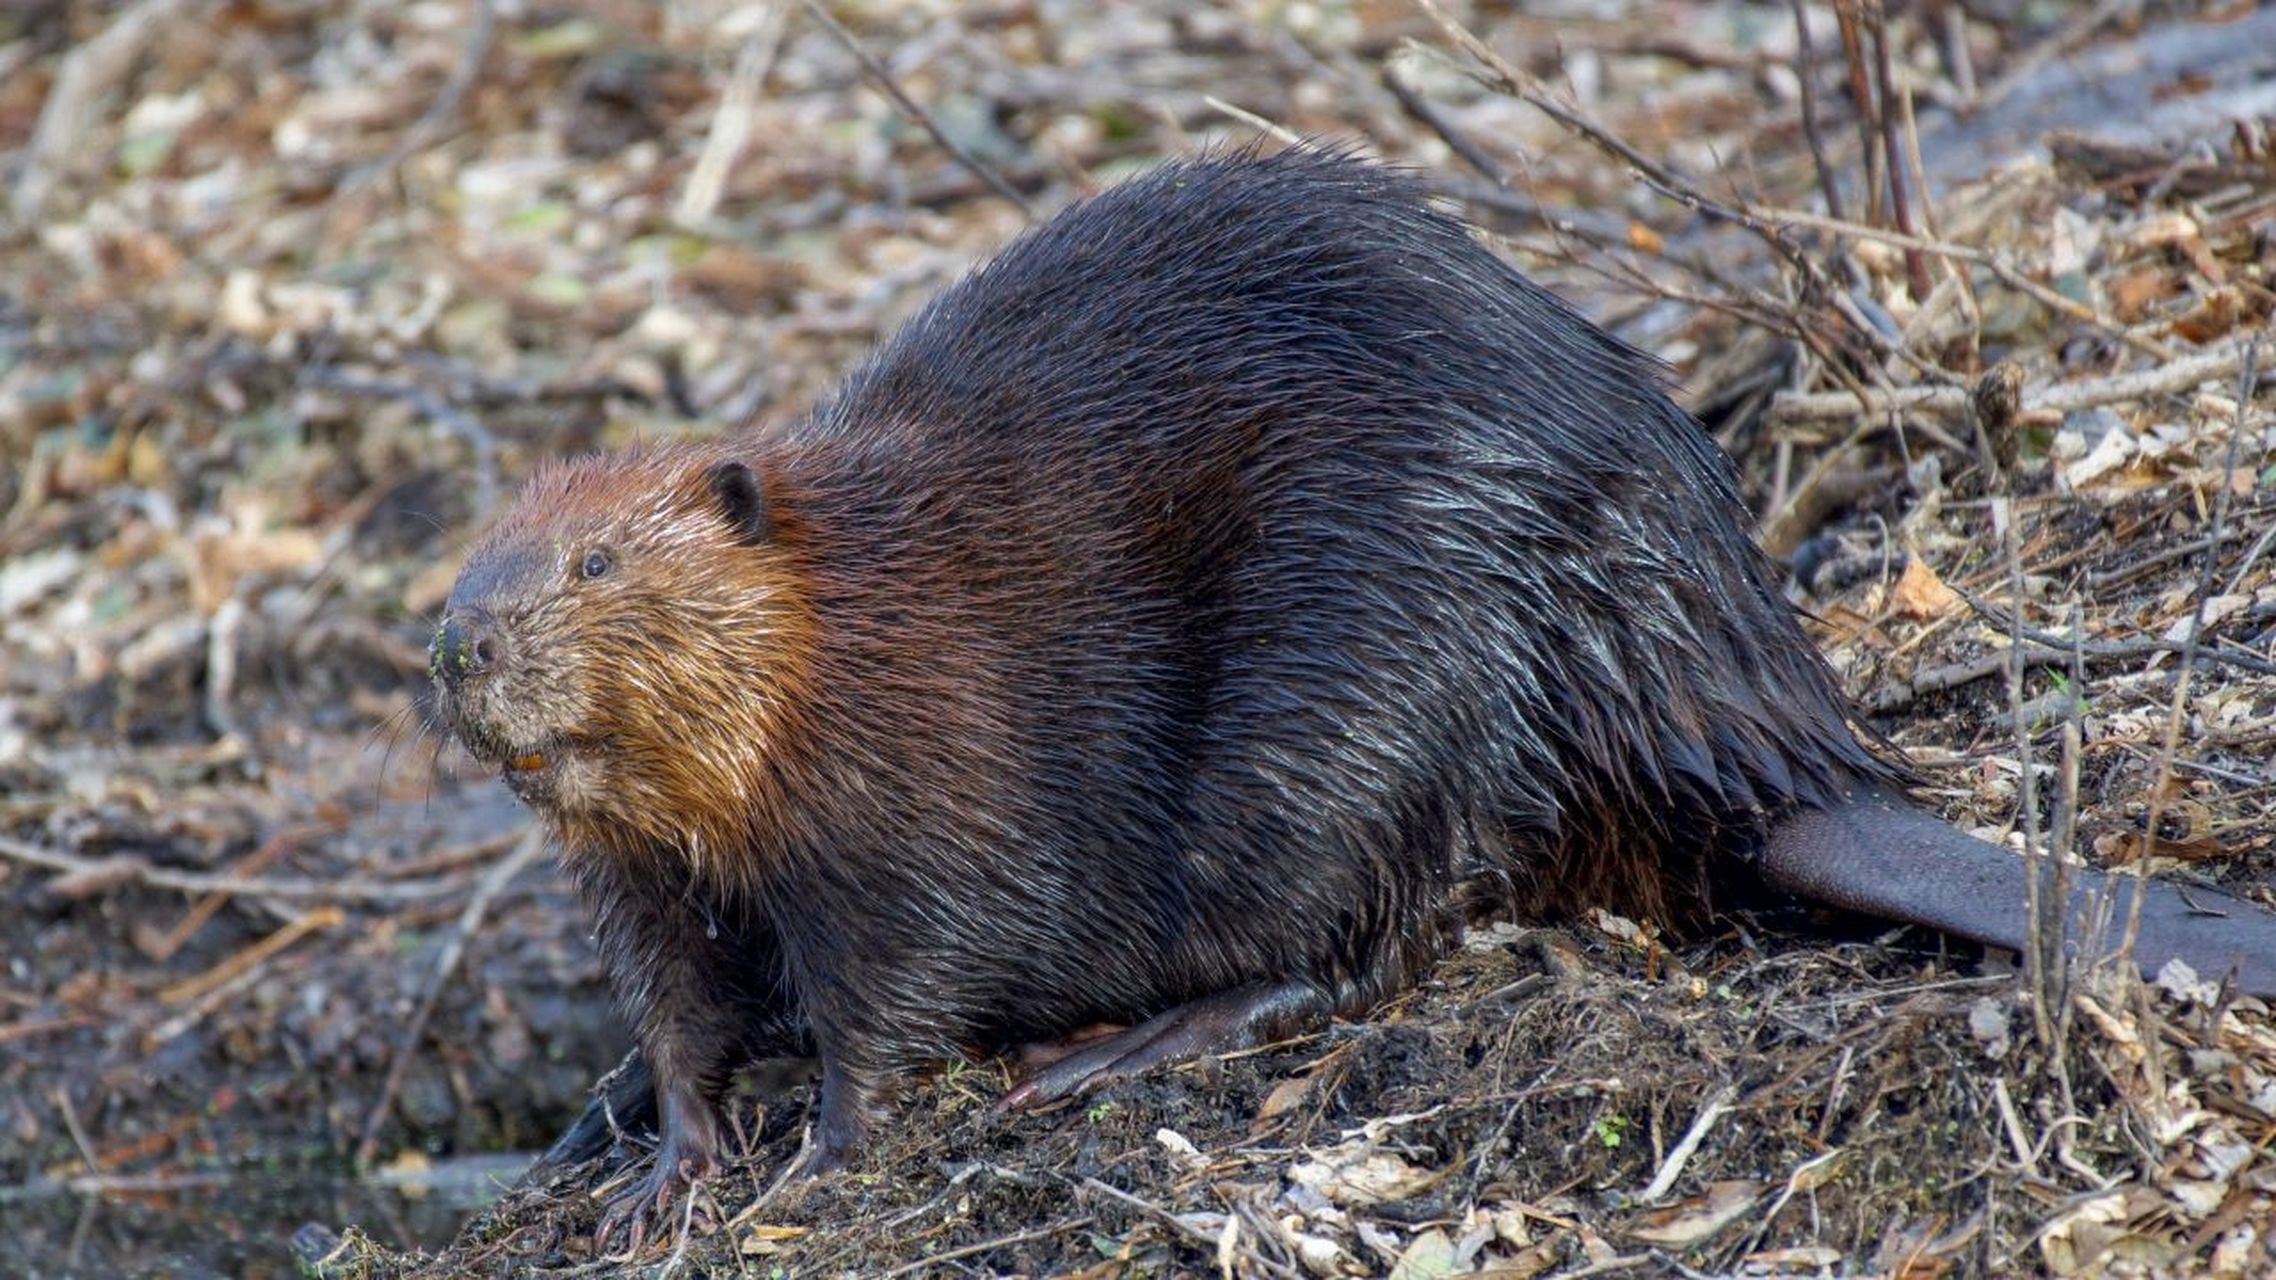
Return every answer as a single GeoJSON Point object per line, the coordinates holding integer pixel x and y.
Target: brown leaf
{"type": "Point", "coordinates": [2214, 316]}
{"type": "Point", "coordinates": [1920, 595]}
{"type": "Point", "coordinates": [1682, 1225]}
{"type": "Point", "coordinates": [1285, 1096]}
{"type": "Point", "coordinates": [2132, 294]}
{"type": "Point", "coordinates": [742, 280]}
{"type": "Point", "coordinates": [246, 550]}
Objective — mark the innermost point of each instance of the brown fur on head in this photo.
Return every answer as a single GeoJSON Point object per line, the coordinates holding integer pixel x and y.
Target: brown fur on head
{"type": "Point", "coordinates": [625, 644]}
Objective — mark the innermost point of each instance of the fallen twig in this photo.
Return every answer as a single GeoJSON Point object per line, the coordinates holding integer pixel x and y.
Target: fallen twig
{"type": "Point", "coordinates": [62, 1099]}
{"type": "Point", "coordinates": [2177, 711]}
{"type": "Point", "coordinates": [124, 869]}
{"type": "Point", "coordinates": [2168, 378]}
{"type": "Point", "coordinates": [731, 124]}
{"type": "Point", "coordinates": [1280, 133]}
{"type": "Point", "coordinates": [446, 962]}
{"type": "Point", "coordinates": [271, 849]}
{"type": "Point", "coordinates": [15, 1031]}
{"type": "Point", "coordinates": [1655, 175]}
{"type": "Point", "coordinates": [1953, 675]}
{"type": "Point", "coordinates": [1672, 1168]}
{"type": "Point", "coordinates": [1180, 1226]}
{"type": "Point", "coordinates": [1000, 1242]}
{"type": "Point", "coordinates": [252, 957]}
{"type": "Point", "coordinates": [1805, 67]}
{"type": "Point", "coordinates": [85, 75]}
{"type": "Point", "coordinates": [1421, 110]}
{"type": "Point", "coordinates": [917, 114]}
{"type": "Point", "coordinates": [1996, 263]}
{"type": "Point", "coordinates": [2012, 624]}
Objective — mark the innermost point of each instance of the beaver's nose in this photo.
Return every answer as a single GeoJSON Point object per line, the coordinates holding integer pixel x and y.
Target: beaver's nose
{"type": "Point", "coordinates": [465, 646]}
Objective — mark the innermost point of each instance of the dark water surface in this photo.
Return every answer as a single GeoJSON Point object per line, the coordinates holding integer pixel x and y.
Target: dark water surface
{"type": "Point", "coordinates": [231, 1224]}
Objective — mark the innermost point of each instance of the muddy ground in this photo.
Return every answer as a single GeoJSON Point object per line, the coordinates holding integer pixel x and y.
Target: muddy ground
{"type": "Point", "coordinates": [293, 291]}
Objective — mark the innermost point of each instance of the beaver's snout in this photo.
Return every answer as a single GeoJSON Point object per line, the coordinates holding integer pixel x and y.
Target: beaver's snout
{"type": "Point", "coordinates": [466, 646]}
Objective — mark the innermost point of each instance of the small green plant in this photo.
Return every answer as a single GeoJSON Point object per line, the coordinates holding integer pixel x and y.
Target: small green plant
{"type": "Point", "coordinates": [1610, 1128]}
{"type": "Point", "coordinates": [1099, 1111]}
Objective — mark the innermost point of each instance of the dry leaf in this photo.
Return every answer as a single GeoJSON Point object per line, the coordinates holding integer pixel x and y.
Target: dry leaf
{"type": "Point", "coordinates": [1430, 1256]}
{"type": "Point", "coordinates": [1356, 1174]}
{"type": "Point", "coordinates": [1920, 595]}
{"type": "Point", "coordinates": [1800, 1258]}
{"type": "Point", "coordinates": [2214, 316]}
{"type": "Point", "coordinates": [1285, 1096]}
{"type": "Point", "coordinates": [1817, 1171]}
{"type": "Point", "coordinates": [2132, 294]}
{"type": "Point", "coordinates": [2092, 1236]}
{"type": "Point", "coordinates": [764, 1239]}
{"type": "Point", "coordinates": [1680, 1226]}
{"type": "Point", "coordinates": [408, 1172]}
{"type": "Point", "coordinates": [742, 280]}
{"type": "Point", "coordinates": [1182, 1151]}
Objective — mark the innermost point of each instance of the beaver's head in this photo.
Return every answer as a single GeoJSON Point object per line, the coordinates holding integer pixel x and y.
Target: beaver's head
{"type": "Point", "coordinates": [623, 645]}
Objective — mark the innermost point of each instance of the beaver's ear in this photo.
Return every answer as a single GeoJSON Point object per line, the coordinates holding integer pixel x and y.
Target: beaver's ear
{"type": "Point", "coordinates": [741, 503]}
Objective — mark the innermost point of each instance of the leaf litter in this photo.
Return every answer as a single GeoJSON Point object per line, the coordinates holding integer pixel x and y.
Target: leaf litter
{"type": "Point", "coordinates": [276, 337]}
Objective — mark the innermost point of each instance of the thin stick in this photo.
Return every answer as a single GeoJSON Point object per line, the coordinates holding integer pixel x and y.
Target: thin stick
{"type": "Point", "coordinates": [446, 103]}
{"type": "Point", "coordinates": [271, 849]}
{"type": "Point", "coordinates": [2135, 648]}
{"type": "Point", "coordinates": [1421, 110]}
{"type": "Point", "coordinates": [1176, 1224]}
{"type": "Point", "coordinates": [62, 1098]}
{"type": "Point", "coordinates": [1000, 1242]}
{"type": "Point", "coordinates": [15, 1031]}
{"type": "Point", "coordinates": [2066, 834]}
{"type": "Point", "coordinates": [1996, 263]}
{"type": "Point", "coordinates": [125, 869]}
{"type": "Point", "coordinates": [1953, 675]}
{"type": "Point", "coordinates": [91, 70]}
{"type": "Point", "coordinates": [1701, 1125]}
{"type": "Point", "coordinates": [731, 124]}
{"type": "Point", "coordinates": [1278, 132]}
{"type": "Point", "coordinates": [2026, 64]}
{"type": "Point", "coordinates": [253, 957]}
{"type": "Point", "coordinates": [2252, 556]}
{"type": "Point", "coordinates": [915, 113]}
{"type": "Point", "coordinates": [2171, 748]}
{"type": "Point", "coordinates": [1892, 147]}
{"type": "Point", "coordinates": [1956, 56]}
{"type": "Point", "coordinates": [1861, 102]}
{"type": "Point", "coordinates": [1517, 84]}
{"type": "Point", "coordinates": [2169, 378]}
{"type": "Point", "coordinates": [507, 868]}
{"type": "Point", "coordinates": [1805, 63]}
{"type": "Point", "coordinates": [2044, 924]}
{"type": "Point", "coordinates": [431, 405]}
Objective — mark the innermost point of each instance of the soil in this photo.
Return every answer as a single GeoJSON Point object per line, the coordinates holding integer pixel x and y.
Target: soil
{"type": "Point", "coordinates": [290, 298]}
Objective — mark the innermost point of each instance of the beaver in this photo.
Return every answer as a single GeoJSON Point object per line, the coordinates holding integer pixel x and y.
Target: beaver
{"type": "Point", "coordinates": [1181, 624]}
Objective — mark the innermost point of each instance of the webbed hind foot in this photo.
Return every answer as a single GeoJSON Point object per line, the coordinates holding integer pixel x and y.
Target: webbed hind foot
{"type": "Point", "coordinates": [1223, 1023]}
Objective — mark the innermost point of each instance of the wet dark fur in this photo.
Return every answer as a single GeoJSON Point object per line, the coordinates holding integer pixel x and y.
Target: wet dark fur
{"type": "Point", "coordinates": [1218, 589]}
{"type": "Point", "coordinates": [1223, 575]}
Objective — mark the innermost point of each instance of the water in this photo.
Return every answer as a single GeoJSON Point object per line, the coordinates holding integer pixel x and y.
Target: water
{"type": "Point", "coordinates": [193, 1227]}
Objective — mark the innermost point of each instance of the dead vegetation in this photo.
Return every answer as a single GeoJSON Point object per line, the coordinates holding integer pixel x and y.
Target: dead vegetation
{"type": "Point", "coordinates": [293, 292]}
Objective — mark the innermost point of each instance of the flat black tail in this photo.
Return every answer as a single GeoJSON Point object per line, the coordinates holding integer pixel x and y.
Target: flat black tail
{"type": "Point", "coordinates": [1880, 855]}
{"type": "Point", "coordinates": [623, 1101]}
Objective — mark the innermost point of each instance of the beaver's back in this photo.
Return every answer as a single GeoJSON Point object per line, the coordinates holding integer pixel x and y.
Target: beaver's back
{"type": "Point", "coordinates": [1264, 552]}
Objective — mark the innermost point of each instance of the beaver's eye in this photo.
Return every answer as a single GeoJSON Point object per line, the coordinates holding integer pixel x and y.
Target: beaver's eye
{"type": "Point", "coordinates": [597, 563]}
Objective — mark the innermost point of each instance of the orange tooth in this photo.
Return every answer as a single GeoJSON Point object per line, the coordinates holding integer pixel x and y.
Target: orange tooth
{"type": "Point", "coordinates": [524, 763]}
